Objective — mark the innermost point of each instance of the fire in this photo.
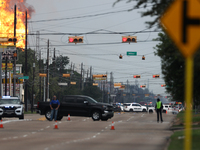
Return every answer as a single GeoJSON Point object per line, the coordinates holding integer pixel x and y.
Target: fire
{"type": "Point", "coordinates": [7, 20]}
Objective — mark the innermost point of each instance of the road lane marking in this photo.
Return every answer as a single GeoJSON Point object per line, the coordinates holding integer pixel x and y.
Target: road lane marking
{"type": "Point", "coordinates": [142, 115]}
{"type": "Point", "coordinates": [48, 127]}
{"type": "Point", "coordinates": [130, 118]}
{"type": "Point", "coordinates": [15, 137]}
{"type": "Point", "coordinates": [25, 136]}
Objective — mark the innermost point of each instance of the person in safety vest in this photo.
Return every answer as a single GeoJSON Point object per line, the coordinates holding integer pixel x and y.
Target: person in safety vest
{"type": "Point", "coordinates": [54, 105]}
{"type": "Point", "coordinates": [158, 108]}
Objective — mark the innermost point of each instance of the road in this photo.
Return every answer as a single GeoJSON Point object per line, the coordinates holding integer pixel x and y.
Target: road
{"type": "Point", "coordinates": [138, 131]}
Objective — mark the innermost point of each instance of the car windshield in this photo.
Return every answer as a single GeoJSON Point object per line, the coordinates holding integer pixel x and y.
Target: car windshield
{"type": "Point", "coordinates": [91, 100]}
{"type": "Point", "coordinates": [9, 101]}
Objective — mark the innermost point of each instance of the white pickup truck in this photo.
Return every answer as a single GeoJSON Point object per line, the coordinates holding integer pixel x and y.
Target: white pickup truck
{"type": "Point", "coordinates": [11, 107]}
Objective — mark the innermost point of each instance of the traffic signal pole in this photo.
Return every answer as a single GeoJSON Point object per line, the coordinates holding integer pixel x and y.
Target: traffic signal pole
{"type": "Point", "coordinates": [14, 67]}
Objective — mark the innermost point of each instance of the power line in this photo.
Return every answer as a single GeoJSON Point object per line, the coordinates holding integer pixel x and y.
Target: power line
{"type": "Point", "coordinates": [86, 16]}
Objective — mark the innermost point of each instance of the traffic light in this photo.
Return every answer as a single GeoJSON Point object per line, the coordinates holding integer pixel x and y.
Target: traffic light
{"type": "Point", "coordinates": [66, 75]}
{"type": "Point", "coordinates": [75, 39]}
{"type": "Point", "coordinates": [129, 39]}
{"type": "Point", "coordinates": [163, 85]}
{"type": "Point", "coordinates": [136, 76]}
{"type": "Point", "coordinates": [143, 58]}
{"type": "Point", "coordinates": [142, 86]}
{"type": "Point", "coordinates": [42, 74]}
{"type": "Point", "coordinates": [99, 76]}
{"type": "Point", "coordinates": [120, 56]}
{"type": "Point", "coordinates": [12, 40]}
{"type": "Point", "coordinates": [156, 76]}
{"type": "Point", "coordinates": [122, 86]}
{"type": "Point", "coordinates": [95, 84]}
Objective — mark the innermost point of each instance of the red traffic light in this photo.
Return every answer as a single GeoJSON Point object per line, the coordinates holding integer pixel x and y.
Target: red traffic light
{"type": "Point", "coordinates": [124, 39]}
{"type": "Point", "coordinates": [71, 40]}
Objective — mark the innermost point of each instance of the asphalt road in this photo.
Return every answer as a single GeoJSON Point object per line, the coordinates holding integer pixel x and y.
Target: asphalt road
{"type": "Point", "coordinates": [138, 131]}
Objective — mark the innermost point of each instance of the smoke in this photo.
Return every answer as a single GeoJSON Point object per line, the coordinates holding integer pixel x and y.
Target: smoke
{"type": "Point", "coordinates": [22, 6]}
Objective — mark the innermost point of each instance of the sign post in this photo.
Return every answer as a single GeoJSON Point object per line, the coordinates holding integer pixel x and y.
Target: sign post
{"type": "Point", "coordinates": [182, 22]}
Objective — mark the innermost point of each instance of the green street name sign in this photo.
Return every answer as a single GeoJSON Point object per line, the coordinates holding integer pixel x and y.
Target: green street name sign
{"type": "Point", "coordinates": [131, 53]}
{"type": "Point", "coordinates": [24, 77]}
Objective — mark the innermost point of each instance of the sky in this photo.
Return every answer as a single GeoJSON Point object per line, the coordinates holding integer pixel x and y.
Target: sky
{"type": "Point", "coordinates": [101, 51]}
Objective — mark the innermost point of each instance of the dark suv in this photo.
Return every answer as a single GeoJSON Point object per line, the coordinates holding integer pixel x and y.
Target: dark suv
{"type": "Point", "coordinates": [79, 105]}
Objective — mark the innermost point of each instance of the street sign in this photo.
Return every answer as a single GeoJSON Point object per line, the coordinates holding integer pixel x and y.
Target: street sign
{"type": "Point", "coordinates": [17, 76]}
{"type": "Point", "coordinates": [182, 22]}
{"type": "Point", "coordinates": [24, 77]}
{"type": "Point", "coordinates": [8, 51]}
{"type": "Point", "coordinates": [63, 84]}
{"type": "Point", "coordinates": [131, 53]}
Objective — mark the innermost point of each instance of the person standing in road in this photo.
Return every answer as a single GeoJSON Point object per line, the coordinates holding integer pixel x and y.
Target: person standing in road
{"type": "Point", "coordinates": [158, 108]}
{"type": "Point", "coordinates": [54, 105]}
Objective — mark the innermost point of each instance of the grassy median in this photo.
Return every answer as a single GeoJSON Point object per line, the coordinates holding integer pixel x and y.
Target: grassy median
{"type": "Point", "coordinates": [177, 139]}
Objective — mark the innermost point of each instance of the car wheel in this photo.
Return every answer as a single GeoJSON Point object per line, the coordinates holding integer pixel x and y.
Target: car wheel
{"type": "Point", "coordinates": [48, 114]}
{"type": "Point", "coordinates": [96, 115]}
{"type": "Point", "coordinates": [21, 117]}
{"type": "Point", "coordinates": [144, 110]}
{"type": "Point", "coordinates": [104, 119]}
{"type": "Point", "coordinates": [150, 111]}
{"type": "Point", "coordinates": [131, 110]}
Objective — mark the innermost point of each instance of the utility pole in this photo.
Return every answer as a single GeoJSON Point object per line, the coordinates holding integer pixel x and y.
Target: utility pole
{"type": "Point", "coordinates": [6, 76]}
{"type": "Point", "coordinates": [54, 61]}
{"type": "Point", "coordinates": [47, 90]}
{"type": "Point", "coordinates": [82, 87]}
{"type": "Point", "coordinates": [81, 75]}
{"type": "Point", "coordinates": [40, 69]}
{"type": "Point", "coordinates": [32, 102]}
{"type": "Point", "coordinates": [91, 73]}
{"type": "Point", "coordinates": [14, 68]}
{"type": "Point", "coordinates": [26, 71]}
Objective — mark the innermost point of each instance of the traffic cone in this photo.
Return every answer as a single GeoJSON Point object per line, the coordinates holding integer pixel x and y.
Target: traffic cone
{"type": "Point", "coordinates": [112, 127]}
{"type": "Point", "coordinates": [56, 126]}
{"type": "Point", "coordinates": [68, 118]}
{"type": "Point", "coordinates": [166, 111]}
{"type": "Point", "coordinates": [1, 125]}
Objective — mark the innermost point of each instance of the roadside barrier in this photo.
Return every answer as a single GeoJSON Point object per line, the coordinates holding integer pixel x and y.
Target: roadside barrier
{"type": "Point", "coordinates": [56, 126]}
{"type": "Point", "coordinates": [112, 127]}
{"type": "Point", "coordinates": [68, 118]}
{"type": "Point", "coordinates": [1, 125]}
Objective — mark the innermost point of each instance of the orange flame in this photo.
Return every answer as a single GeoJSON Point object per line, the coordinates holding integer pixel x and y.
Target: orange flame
{"type": "Point", "coordinates": [7, 20]}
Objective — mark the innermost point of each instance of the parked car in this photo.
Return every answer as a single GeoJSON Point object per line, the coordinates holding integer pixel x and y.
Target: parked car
{"type": "Point", "coordinates": [79, 105]}
{"type": "Point", "coordinates": [134, 107]}
{"type": "Point", "coordinates": [11, 107]}
{"type": "Point", "coordinates": [167, 108]}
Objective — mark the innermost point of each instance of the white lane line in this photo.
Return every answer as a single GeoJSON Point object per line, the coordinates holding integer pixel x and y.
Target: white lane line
{"type": "Point", "coordinates": [4, 138]}
{"type": "Point", "coordinates": [130, 118]}
{"type": "Point", "coordinates": [41, 129]}
{"type": "Point", "coordinates": [142, 115]}
{"type": "Point", "coordinates": [25, 136]}
{"type": "Point", "coordinates": [48, 127]}
{"type": "Point", "coordinates": [33, 132]}
{"type": "Point", "coordinates": [15, 137]}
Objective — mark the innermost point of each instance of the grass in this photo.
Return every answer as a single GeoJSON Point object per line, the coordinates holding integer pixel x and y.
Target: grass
{"type": "Point", "coordinates": [178, 144]}
{"type": "Point", "coordinates": [181, 119]}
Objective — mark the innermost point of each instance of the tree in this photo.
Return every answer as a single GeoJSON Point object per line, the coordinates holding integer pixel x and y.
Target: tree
{"type": "Point", "coordinates": [172, 62]}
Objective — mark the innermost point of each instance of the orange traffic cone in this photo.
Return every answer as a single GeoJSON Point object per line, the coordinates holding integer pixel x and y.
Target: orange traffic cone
{"type": "Point", "coordinates": [166, 111]}
{"type": "Point", "coordinates": [112, 127]}
{"type": "Point", "coordinates": [1, 125]}
{"type": "Point", "coordinates": [56, 126]}
{"type": "Point", "coordinates": [68, 118]}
